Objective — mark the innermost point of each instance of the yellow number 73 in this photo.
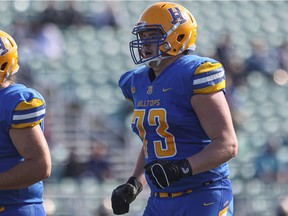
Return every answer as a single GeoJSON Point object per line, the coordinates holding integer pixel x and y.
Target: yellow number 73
{"type": "Point", "coordinates": [164, 147]}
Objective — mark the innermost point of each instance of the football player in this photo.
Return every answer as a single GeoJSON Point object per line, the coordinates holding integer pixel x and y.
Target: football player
{"type": "Point", "coordinates": [182, 117]}
{"type": "Point", "coordinates": [24, 154]}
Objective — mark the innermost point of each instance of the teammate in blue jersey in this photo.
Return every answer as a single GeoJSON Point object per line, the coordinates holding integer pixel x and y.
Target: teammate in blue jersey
{"type": "Point", "coordinates": [24, 154]}
{"type": "Point", "coordinates": [182, 117]}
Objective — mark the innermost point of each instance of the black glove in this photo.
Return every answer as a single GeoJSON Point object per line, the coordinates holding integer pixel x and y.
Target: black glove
{"type": "Point", "coordinates": [164, 173]}
{"type": "Point", "coordinates": [124, 194]}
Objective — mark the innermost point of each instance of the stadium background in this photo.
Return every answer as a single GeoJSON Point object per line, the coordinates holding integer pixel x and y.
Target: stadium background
{"type": "Point", "coordinates": [76, 64]}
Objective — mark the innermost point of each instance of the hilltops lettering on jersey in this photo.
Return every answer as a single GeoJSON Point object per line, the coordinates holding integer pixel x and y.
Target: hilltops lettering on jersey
{"type": "Point", "coordinates": [148, 103]}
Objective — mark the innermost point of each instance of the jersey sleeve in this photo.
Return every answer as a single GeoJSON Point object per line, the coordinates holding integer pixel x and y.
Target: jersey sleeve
{"type": "Point", "coordinates": [125, 85]}
{"type": "Point", "coordinates": [29, 111]}
{"type": "Point", "coordinates": [209, 77]}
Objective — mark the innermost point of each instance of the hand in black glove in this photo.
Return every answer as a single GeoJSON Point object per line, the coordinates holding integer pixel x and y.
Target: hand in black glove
{"type": "Point", "coordinates": [164, 173]}
{"type": "Point", "coordinates": [124, 194]}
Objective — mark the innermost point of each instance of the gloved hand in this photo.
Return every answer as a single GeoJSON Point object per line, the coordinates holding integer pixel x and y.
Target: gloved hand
{"type": "Point", "coordinates": [162, 173]}
{"type": "Point", "coordinates": [124, 194]}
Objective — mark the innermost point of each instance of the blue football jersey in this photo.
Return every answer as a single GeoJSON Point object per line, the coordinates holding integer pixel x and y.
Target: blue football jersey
{"type": "Point", "coordinates": [20, 107]}
{"type": "Point", "coordinates": [163, 115]}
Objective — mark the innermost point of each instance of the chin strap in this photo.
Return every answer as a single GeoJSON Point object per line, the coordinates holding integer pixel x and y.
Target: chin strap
{"type": "Point", "coordinates": [157, 60]}
{"type": "Point", "coordinates": [10, 72]}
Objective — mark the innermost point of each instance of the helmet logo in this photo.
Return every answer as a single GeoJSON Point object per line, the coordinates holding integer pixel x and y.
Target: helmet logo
{"type": "Point", "coordinates": [3, 49]}
{"type": "Point", "coordinates": [176, 16]}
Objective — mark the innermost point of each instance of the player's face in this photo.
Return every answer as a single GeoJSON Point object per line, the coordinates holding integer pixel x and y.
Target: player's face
{"type": "Point", "coordinates": [150, 47]}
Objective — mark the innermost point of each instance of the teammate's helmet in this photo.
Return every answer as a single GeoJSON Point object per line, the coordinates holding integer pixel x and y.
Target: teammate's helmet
{"type": "Point", "coordinates": [8, 56]}
{"type": "Point", "coordinates": [177, 28]}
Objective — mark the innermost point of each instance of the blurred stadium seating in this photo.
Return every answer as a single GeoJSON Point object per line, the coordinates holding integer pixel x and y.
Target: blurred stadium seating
{"type": "Point", "coordinates": [85, 104]}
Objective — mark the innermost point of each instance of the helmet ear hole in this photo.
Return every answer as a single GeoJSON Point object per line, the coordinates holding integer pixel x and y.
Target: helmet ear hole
{"type": "Point", "coordinates": [3, 66]}
{"type": "Point", "coordinates": [4, 52]}
{"type": "Point", "coordinates": [180, 37]}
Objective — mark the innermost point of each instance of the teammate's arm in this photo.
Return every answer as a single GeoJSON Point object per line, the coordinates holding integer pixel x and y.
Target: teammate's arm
{"type": "Point", "coordinates": [32, 146]}
{"type": "Point", "coordinates": [215, 118]}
